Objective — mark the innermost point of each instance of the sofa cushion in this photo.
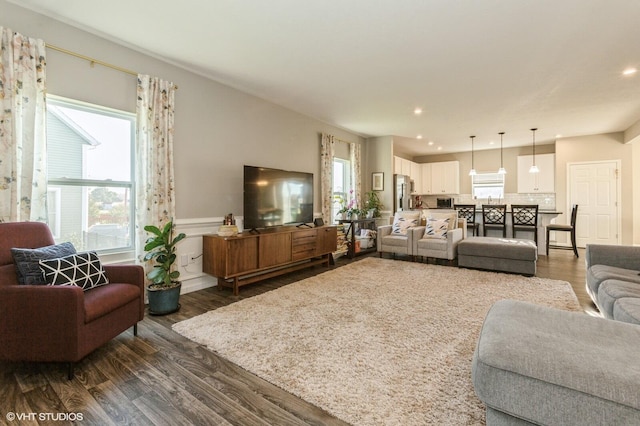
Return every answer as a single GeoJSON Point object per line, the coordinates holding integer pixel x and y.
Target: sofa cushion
{"type": "Point", "coordinates": [433, 244]}
{"type": "Point", "coordinates": [402, 221]}
{"type": "Point", "coordinates": [27, 260]}
{"type": "Point", "coordinates": [596, 274]}
{"type": "Point", "coordinates": [549, 366]}
{"type": "Point", "coordinates": [81, 270]}
{"type": "Point", "coordinates": [395, 240]}
{"type": "Point", "coordinates": [627, 309]}
{"type": "Point", "coordinates": [612, 290]}
{"type": "Point", "coordinates": [100, 301]}
{"type": "Point", "coordinates": [436, 228]}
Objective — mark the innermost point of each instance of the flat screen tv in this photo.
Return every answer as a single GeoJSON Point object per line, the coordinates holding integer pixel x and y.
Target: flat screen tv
{"type": "Point", "coordinates": [274, 197]}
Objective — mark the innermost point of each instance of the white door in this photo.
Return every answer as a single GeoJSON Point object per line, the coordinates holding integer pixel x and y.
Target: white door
{"type": "Point", "coordinates": [594, 186]}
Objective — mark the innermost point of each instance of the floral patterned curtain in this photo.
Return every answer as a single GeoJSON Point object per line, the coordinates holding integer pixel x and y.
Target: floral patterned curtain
{"type": "Point", "coordinates": [356, 181]}
{"type": "Point", "coordinates": [327, 152]}
{"type": "Point", "coordinates": [23, 157]}
{"type": "Point", "coordinates": [155, 202]}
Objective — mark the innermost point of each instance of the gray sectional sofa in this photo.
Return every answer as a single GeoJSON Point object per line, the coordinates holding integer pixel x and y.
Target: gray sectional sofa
{"type": "Point", "coordinates": [613, 280]}
{"type": "Point", "coordinates": [544, 366]}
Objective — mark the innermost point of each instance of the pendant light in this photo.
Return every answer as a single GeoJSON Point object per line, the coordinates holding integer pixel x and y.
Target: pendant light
{"type": "Point", "coordinates": [501, 170]}
{"type": "Point", "coordinates": [534, 168]}
{"type": "Point", "coordinates": [472, 172]}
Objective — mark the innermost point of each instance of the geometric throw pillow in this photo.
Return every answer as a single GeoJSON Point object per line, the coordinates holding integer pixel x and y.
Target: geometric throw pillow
{"type": "Point", "coordinates": [402, 223]}
{"type": "Point", "coordinates": [436, 228]}
{"type": "Point", "coordinates": [81, 270]}
{"type": "Point", "coordinates": [26, 260]}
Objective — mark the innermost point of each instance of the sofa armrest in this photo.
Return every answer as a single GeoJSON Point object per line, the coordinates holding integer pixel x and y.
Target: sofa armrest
{"type": "Point", "coordinates": [31, 314]}
{"type": "Point", "coordinates": [415, 233]}
{"type": "Point", "coordinates": [627, 257]}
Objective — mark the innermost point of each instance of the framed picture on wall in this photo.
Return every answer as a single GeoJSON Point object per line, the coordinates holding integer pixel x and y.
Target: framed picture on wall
{"type": "Point", "coordinates": [377, 181]}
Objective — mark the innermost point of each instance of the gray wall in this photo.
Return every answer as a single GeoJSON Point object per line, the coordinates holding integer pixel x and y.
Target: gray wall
{"type": "Point", "coordinates": [217, 129]}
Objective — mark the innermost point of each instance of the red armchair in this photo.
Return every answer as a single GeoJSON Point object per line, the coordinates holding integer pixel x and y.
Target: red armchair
{"type": "Point", "coordinates": [44, 323]}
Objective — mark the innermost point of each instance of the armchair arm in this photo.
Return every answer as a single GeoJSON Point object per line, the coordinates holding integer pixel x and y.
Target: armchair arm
{"type": "Point", "coordinates": [627, 257]}
{"type": "Point", "coordinates": [414, 235]}
{"type": "Point", "coordinates": [383, 231]}
{"type": "Point", "coordinates": [128, 274]}
{"type": "Point", "coordinates": [30, 315]}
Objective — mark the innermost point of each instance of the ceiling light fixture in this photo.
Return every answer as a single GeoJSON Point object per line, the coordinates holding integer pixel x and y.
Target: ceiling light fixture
{"type": "Point", "coordinates": [472, 172]}
{"type": "Point", "coordinates": [417, 111]}
{"type": "Point", "coordinates": [534, 168]}
{"type": "Point", "coordinates": [501, 170]}
{"type": "Point", "coordinates": [629, 71]}
{"type": "Point", "coordinates": [419, 137]}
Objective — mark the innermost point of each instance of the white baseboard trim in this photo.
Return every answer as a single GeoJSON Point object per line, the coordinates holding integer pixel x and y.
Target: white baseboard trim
{"type": "Point", "coordinates": [198, 283]}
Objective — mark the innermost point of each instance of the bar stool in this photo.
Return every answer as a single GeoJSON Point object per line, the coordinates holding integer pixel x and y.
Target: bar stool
{"type": "Point", "coordinates": [468, 212]}
{"type": "Point", "coordinates": [565, 228]}
{"type": "Point", "coordinates": [494, 217]}
{"type": "Point", "coordinates": [524, 217]}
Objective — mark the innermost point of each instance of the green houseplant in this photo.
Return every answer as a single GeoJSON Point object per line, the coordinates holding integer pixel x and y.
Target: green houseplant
{"type": "Point", "coordinates": [373, 203]}
{"type": "Point", "coordinates": [164, 290]}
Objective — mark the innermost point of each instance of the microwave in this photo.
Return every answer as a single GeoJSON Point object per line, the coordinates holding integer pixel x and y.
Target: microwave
{"type": "Point", "coordinates": [445, 203]}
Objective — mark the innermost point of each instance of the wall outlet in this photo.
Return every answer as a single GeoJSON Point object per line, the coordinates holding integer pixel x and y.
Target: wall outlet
{"type": "Point", "coordinates": [184, 259]}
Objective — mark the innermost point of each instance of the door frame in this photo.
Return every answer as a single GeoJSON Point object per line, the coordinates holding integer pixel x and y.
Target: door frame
{"type": "Point", "coordinates": [618, 164]}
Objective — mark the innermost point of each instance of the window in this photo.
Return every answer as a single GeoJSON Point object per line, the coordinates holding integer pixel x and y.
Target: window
{"type": "Point", "coordinates": [485, 185]}
{"type": "Point", "coordinates": [341, 182]}
{"type": "Point", "coordinates": [90, 169]}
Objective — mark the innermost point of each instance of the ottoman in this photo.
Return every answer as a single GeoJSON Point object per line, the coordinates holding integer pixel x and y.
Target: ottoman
{"type": "Point", "coordinates": [539, 365]}
{"type": "Point", "coordinates": [498, 254]}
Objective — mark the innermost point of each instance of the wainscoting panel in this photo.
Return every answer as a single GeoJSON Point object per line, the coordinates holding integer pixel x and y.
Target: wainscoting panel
{"type": "Point", "coordinates": [189, 251]}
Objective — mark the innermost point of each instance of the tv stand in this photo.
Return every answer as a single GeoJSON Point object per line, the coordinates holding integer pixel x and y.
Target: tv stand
{"type": "Point", "coordinates": [250, 257]}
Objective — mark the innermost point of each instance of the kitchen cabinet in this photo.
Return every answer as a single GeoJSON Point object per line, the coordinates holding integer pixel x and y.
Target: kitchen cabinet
{"type": "Point", "coordinates": [425, 179]}
{"type": "Point", "coordinates": [541, 182]}
{"type": "Point", "coordinates": [401, 166]}
{"type": "Point", "coordinates": [445, 178]}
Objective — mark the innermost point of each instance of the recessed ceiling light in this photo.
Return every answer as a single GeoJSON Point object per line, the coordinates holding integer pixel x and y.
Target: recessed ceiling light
{"type": "Point", "coordinates": [439, 148]}
{"type": "Point", "coordinates": [558, 135]}
{"type": "Point", "coordinates": [430, 143]}
{"type": "Point", "coordinates": [629, 71]}
{"type": "Point", "coordinates": [419, 137]}
{"type": "Point", "coordinates": [417, 111]}
{"type": "Point", "coordinates": [491, 142]}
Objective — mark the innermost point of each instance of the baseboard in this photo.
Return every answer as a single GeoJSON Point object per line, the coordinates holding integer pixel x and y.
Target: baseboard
{"type": "Point", "coordinates": [198, 283]}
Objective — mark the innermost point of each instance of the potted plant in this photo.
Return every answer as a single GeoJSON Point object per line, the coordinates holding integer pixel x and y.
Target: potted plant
{"type": "Point", "coordinates": [373, 204]}
{"type": "Point", "coordinates": [164, 290]}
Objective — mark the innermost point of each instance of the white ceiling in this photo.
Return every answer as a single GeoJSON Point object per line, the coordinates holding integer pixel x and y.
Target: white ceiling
{"type": "Point", "coordinates": [474, 66]}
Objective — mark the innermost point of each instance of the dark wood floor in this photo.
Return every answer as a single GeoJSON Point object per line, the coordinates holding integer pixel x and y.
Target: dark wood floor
{"type": "Point", "coordinates": [161, 378]}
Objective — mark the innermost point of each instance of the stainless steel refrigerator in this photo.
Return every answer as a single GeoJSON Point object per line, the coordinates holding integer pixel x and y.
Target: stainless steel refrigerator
{"type": "Point", "coordinates": [402, 193]}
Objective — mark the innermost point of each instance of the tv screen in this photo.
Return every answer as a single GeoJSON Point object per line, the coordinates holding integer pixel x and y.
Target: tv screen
{"type": "Point", "coordinates": [274, 197]}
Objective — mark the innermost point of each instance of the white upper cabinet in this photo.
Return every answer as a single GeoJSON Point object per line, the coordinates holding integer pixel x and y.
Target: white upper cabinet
{"type": "Point", "coordinates": [425, 181]}
{"type": "Point", "coordinates": [543, 181]}
{"type": "Point", "coordinates": [445, 178]}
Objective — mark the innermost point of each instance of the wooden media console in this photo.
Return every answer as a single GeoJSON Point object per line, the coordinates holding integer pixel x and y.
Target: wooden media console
{"type": "Point", "coordinates": [250, 257]}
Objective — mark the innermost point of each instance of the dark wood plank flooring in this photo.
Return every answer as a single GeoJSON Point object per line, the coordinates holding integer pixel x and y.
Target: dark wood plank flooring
{"type": "Point", "coordinates": [161, 378]}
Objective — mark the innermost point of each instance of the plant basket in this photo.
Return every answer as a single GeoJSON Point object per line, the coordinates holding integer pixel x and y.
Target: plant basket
{"type": "Point", "coordinates": [163, 300]}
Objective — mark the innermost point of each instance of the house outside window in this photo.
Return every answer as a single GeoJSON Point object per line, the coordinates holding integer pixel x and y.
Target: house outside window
{"type": "Point", "coordinates": [485, 185]}
{"type": "Point", "coordinates": [90, 169]}
{"type": "Point", "coordinates": [341, 182]}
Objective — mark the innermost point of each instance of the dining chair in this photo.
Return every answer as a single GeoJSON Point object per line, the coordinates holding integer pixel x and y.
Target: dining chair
{"type": "Point", "coordinates": [494, 216]}
{"type": "Point", "coordinates": [524, 217]}
{"type": "Point", "coordinates": [468, 212]}
{"type": "Point", "coordinates": [571, 228]}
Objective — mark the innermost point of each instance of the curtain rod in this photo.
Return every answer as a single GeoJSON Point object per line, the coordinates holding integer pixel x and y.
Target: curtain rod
{"type": "Point", "coordinates": [93, 61]}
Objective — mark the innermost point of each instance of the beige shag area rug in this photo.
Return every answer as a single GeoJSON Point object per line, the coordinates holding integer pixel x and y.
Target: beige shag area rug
{"type": "Point", "coordinates": [375, 342]}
